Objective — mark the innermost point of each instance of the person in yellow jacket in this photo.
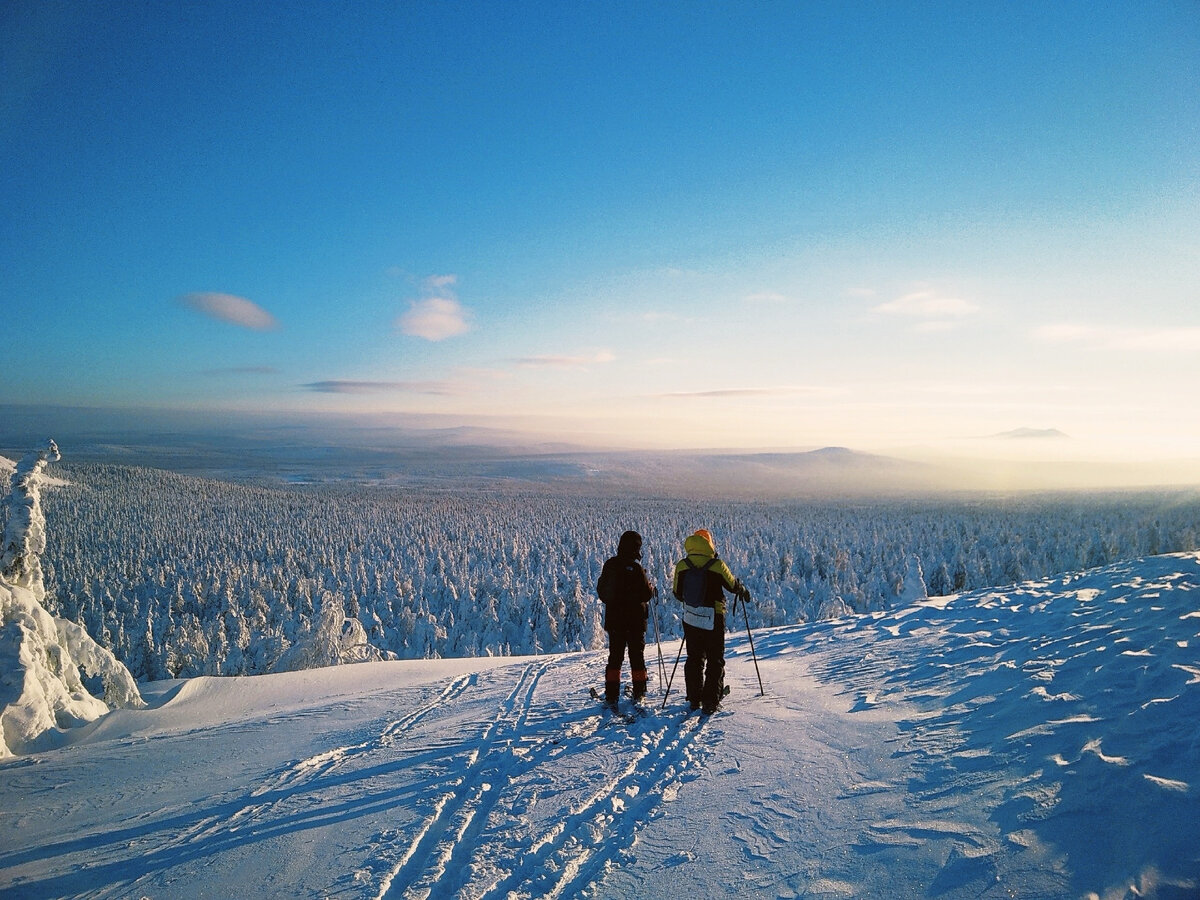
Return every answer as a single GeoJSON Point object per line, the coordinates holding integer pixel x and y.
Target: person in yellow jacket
{"type": "Point", "coordinates": [700, 581]}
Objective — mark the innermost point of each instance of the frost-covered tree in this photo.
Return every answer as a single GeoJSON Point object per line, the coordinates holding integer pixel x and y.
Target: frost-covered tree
{"type": "Point", "coordinates": [44, 661]}
{"type": "Point", "coordinates": [334, 639]}
{"type": "Point", "coordinates": [25, 525]}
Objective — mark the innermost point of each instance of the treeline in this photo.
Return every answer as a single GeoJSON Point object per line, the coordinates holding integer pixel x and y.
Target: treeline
{"type": "Point", "coordinates": [182, 576]}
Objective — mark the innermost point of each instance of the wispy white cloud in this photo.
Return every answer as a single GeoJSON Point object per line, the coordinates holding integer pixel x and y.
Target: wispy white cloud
{"type": "Point", "coordinates": [566, 362]}
{"type": "Point", "coordinates": [439, 388]}
{"type": "Point", "coordinates": [1134, 340]}
{"type": "Point", "coordinates": [928, 305]}
{"type": "Point", "coordinates": [232, 309]}
{"type": "Point", "coordinates": [434, 319]}
{"type": "Point", "coordinates": [1160, 340]}
{"type": "Point", "coordinates": [438, 315]}
{"type": "Point", "coordinates": [645, 317]}
{"type": "Point", "coordinates": [781, 391]}
{"type": "Point", "coordinates": [480, 374]}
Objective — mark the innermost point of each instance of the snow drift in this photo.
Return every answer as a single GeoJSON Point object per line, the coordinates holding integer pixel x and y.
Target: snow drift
{"type": "Point", "coordinates": [44, 660]}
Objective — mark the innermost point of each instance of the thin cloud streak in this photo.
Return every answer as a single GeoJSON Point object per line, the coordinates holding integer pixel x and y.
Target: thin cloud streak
{"type": "Point", "coordinates": [438, 388]}
{"type": "Point", "coordinates": [1132, 340]}
{"type": "Point", "coordinates": [229, 308]}
{"type": "Point", "coordinates": [746, 392]}
{"type": "Point", "coordinates": [564, 362]}
{"type": "Point", "coordinates": [928, 305]}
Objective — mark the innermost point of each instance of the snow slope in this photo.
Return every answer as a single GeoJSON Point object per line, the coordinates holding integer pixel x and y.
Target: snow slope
{"type": "Point", "coordinates": [1036, 742]}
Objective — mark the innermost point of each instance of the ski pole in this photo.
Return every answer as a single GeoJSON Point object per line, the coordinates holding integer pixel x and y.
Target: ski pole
{"type": "Point", "coordinates": [753, 655]}
{"type": "Point", "coordinates": [673, 668]}
{"type": "Point", "coordinates": [662, 669]}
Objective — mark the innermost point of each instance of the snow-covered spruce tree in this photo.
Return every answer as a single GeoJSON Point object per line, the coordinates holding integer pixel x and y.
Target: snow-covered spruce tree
{"type": "Point", "coordinates": [335, 639]}
{"type": "Point", "coordinates": [25, 526]}
{"type": "Point", "coordinates": [42, 690]}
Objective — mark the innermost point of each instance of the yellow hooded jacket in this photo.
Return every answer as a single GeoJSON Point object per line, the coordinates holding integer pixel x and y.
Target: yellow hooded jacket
{"type": "Point", "coordinates": [700, 551]}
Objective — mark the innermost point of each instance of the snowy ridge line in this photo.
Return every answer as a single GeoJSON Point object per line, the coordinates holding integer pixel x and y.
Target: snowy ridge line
{"type": "Point", "coordinates": [584, 844]}
{"type": "Point", "coordinates": [434, 844]}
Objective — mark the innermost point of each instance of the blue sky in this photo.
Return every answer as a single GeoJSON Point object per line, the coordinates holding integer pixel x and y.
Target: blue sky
{"type": "Point", "coordinates": [746, 224]}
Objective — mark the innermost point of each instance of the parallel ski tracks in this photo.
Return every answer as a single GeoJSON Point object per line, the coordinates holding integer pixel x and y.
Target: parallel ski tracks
{"type": "Point", "coordinates": [576, 852]}
{"type": "Point", "coordinates": [459, 852]}
{"type": "Point", "coordinates": [460, 813]}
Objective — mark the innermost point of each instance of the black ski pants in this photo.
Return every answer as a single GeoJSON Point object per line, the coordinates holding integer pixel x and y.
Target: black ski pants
{"type": "Point", "coordinates": [704, 671]}
{"type": "Point", "coordinates": [620, 639]}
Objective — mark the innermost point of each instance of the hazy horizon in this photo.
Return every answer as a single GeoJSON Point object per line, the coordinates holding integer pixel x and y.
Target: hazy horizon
{"type": "Point", "coordinates": [392, 448]}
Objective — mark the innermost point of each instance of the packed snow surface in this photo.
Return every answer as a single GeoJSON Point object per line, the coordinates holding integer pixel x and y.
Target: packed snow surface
{"type": "Point", "coordinates": [1039, 741]}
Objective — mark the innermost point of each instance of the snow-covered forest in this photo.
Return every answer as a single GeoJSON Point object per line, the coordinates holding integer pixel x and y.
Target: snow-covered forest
{"type": "Point", "coordinates": [183, 576]}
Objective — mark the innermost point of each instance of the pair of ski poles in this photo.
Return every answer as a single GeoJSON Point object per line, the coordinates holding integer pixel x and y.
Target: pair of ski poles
{"type": "Point", "coordinates": [674, 668]}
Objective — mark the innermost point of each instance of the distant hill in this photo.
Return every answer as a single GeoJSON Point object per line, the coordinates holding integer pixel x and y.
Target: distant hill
{"type": "Point", "coordinates": [829, 470]}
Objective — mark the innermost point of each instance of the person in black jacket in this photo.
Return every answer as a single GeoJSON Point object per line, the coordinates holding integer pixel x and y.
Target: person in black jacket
{"type": "Point", "coordinates": [625, 592]}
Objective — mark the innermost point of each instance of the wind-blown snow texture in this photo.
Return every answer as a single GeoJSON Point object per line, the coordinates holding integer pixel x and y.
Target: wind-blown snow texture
{"type": "Point", "coordinates": [1034, 742]}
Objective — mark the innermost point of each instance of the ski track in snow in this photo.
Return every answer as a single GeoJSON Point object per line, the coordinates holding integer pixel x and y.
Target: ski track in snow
{"type": "Point", "coordinates": [473, 775]}
{"type": "Point", "coordinates": [466, 846]}
{"type": "Point", "coordinates": [281, 793]}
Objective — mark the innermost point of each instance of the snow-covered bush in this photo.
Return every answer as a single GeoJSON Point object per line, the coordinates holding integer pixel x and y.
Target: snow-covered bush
{"type": "Point", "coordinates": [44, 660]}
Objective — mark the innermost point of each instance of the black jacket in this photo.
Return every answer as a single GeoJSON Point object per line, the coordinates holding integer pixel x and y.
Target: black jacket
{"type": "Point", "coordinates": [624, 588]}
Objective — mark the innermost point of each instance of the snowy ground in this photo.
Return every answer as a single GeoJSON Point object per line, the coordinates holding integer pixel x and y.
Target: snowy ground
{"type": "Point", "coordinates": [1040, 741]}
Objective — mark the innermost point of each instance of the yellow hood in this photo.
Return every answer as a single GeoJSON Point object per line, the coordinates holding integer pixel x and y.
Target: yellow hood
{"type": "Point", "coordinates": [697, 545]}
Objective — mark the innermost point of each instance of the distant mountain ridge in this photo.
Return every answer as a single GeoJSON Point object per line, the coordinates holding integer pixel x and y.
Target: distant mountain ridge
{"type": "Point", "coordinates": [427, 449]}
